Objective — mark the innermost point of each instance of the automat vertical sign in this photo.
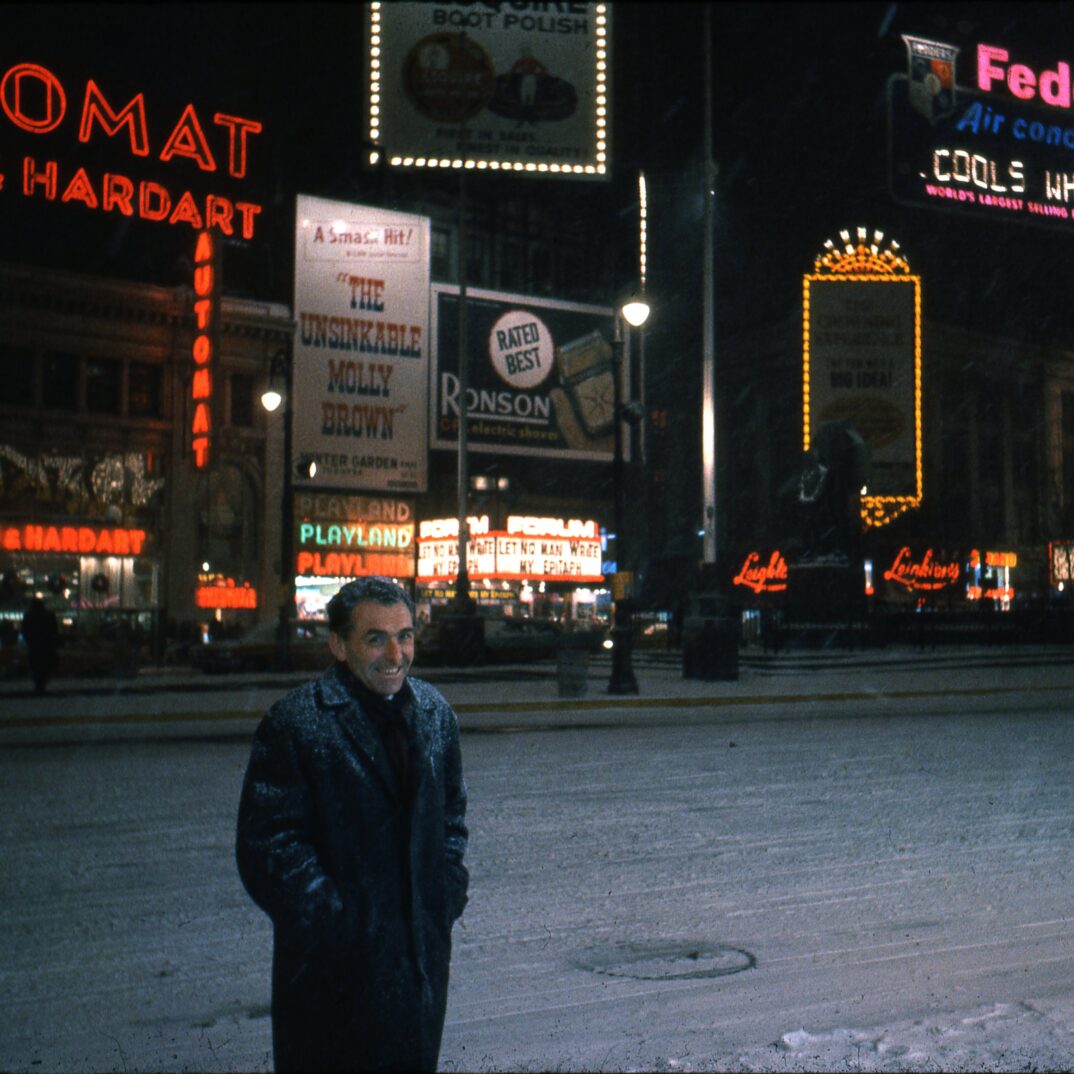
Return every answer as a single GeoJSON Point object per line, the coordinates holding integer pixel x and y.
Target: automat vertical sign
{"type": "Point", "coordinates": [360, 358]}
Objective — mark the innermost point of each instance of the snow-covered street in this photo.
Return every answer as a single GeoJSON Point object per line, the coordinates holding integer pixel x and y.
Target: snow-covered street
{"type": "Point", "coordinates": [854, 886]}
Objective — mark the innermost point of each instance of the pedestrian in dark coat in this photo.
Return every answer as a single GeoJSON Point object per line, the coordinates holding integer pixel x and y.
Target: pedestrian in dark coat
{"type": "Point", "coordinates": [351, 837]}
{"type": "Point", "coordinates": [41, 632]}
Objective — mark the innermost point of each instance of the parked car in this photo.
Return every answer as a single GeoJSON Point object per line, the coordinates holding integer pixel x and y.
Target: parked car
{"type": "Point", "coordinates": [258, 649]}
{"type": "Point", "coordinates": [509, 641]}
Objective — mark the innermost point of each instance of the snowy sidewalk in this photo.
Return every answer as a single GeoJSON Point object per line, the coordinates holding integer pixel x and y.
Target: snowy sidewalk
{"type": "Point", "coordinates": [181, 703]}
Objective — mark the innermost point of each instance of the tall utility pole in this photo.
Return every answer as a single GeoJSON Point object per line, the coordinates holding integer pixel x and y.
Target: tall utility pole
{"type": "Point", "coordinates": [462, 603]}
{"type": "Point", "coordinates": [708, 393]}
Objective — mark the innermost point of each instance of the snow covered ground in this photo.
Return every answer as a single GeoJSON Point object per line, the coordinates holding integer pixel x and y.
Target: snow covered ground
{"type": "Point", "coordinates": [822, 886]}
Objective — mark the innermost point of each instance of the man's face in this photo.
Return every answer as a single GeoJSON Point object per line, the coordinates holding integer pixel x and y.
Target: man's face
{"type": "Point", "coordinates": [380, 648]}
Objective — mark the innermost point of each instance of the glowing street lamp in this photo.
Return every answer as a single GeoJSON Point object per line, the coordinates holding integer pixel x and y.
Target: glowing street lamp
{"type": "Point", "coordinates": [623, 681]}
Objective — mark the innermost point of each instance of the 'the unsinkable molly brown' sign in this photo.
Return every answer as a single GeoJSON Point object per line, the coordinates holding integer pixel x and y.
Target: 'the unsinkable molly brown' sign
{"type": "Point", "coordinates": [360, 359]}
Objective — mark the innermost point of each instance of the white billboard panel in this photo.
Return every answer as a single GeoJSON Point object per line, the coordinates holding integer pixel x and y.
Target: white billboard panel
{"type": "Point", "coordinates": [361, 346]}
{"type": "Point", "coordinates": [504, 87]}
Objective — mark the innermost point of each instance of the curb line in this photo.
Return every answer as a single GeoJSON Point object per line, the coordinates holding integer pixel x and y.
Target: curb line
{"type": "Point", "coordinates": [555, 705]}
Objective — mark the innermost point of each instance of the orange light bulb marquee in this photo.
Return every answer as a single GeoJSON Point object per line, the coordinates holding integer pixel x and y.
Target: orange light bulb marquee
{"type": "Point", "coordinates": [864, 259]}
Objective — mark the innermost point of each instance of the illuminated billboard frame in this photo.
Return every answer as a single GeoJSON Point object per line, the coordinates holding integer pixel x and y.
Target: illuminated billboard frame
{"type": "Point", "coordinates": [598, 136]}
{"type": "Point", "coordinates": [865, 262]}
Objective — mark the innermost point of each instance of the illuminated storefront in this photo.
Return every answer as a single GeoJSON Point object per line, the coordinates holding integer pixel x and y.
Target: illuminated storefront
{"type": "Point", "coordinates": [338, 537]}
{"type": "Point", "coordinates": [542, 567]}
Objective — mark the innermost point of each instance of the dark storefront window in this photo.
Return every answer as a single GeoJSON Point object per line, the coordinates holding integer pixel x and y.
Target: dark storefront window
{"type": "Point", "coordinates": [16, 376]}
{"type": "Point", "coordinates": [242, 400]}
{"type": "Point", "coordinates": [102, 386]}
{"type": "Point", "coordinates": [227, 522]}
{"type": "Point", "coordinates": [144, 390]}
{"type": "Point", "coordinates": [59, 389]}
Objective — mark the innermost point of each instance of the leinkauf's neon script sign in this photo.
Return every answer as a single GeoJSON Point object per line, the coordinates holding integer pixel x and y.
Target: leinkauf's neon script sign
{"type": "Point", "coordinates": [926, 574]}
{"type": "Point", "coordinates": [35, 100]}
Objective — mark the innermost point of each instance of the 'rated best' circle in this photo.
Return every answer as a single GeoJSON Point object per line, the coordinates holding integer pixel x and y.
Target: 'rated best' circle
{"type": "Point", "coordinates": [521, 349]}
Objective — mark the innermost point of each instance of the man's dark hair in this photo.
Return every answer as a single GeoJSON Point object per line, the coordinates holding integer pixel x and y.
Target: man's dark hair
{"type": "Point", "coordinates": [373, 588]}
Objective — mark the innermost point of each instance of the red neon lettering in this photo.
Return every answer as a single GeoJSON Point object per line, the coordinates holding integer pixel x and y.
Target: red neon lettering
{"type": "Point", "coordinates": [11, 98]}
{"type": "Point", "coordinates": [201, 419]}
{"type": "Point", "coordinates": [926, 575]}
{"type": "Point", "coordinates": [203, 279]}
{"type": "Point", "coordinates": [80, 189]}
{"type": "Point", "coordinates": [188, 140]}
{"type": "Point", "coordinates": [203, 385]}
{"type": "Point", "coordinates": [11, 540]}
{"type": "Point", "coordinates": [104, 542]}
{"type": "Point", "coordinates": [202, 309]}
{"type": "Point", "coordinates": [304, 562]}
{"type": "Point", "coordinates": [33, 539]}
{"type": "Point", "coordinates": [203, 350]}
{"type": "Point", "coordinates": [147, 191]}
{"type": "Point", "coordinates": [69, 538]}
{"type": "Point", "coordinates": [95, 107]}
{"type": "Point", "coordinates": [237, 129]}
{"type": "Point", "coordinates": [771, 578]}
{"type": "Point", "coordinates": [121, 545]}
{"type": "Point", "coordinates": [247, 211]}
{"type": "Point", "coordinates": [117, 193]}
{"type": "Point", "coordinates": [201, 451]}
{"type": "Point", "coordinates": [218, 213]}
{"type": "Point", "coordinates": [31, 176]}
{"type": "Point", "coordinates": [204, 250]}
{"type": "Point", "coordinates": [52, 540]}
{"type": "Point", "coordinates": [186, 212]}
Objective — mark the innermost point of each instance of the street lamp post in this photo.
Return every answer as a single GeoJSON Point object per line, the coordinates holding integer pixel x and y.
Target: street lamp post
{"type": "Point", "coordinates": [280, 389]}
{"type": "Point", "coordinates": [622, 680]}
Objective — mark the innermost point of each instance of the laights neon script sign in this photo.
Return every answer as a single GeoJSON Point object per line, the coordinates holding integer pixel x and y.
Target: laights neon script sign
{"type": "Point", "coordinates": [35, 101]}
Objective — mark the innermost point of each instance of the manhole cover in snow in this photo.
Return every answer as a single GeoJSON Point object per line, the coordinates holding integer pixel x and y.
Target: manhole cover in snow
{"type": "Point", "coordinates": [667, 961]}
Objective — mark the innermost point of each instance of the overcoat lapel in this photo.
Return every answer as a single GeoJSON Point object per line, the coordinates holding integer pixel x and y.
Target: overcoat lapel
{"type": "Point", "coordinates": [358, 728]}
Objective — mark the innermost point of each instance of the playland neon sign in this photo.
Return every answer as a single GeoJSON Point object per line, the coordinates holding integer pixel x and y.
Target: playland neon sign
{"type": "Point", "coordinates": [35, 101]}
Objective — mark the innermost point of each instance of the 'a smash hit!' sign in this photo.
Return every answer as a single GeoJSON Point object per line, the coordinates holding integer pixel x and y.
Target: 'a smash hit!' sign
{"type": "Point", "coordinates": [360, 357]}
{"type": "Point", "coordinates": [515, 86]}
{"type": "Point", "coordinates": [861, 363]}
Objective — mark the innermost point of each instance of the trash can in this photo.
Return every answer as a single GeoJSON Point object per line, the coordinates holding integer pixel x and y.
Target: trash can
{"type": "Point", "coordinates": [710, 641]}
{"type": "Point", "coordinates": [572, 666]}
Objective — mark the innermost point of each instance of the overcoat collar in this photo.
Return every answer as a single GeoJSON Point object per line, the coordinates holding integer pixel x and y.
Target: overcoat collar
{"type": "Point", "coordinates": [360, 729]}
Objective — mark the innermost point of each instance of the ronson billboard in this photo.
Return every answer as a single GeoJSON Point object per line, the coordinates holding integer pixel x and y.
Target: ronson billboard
{"type": "Point", "coordinates": [539, 375]}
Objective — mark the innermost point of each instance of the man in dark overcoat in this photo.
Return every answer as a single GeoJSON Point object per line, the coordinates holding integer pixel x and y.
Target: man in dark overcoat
{"type": "Point", "coordinates": [351, 837]}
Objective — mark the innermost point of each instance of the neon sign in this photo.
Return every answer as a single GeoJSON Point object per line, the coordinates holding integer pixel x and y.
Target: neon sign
{"type": "Point", "coordinates": [1022, 81]}
{"type": "Point", "coordinates": [770, 577]}
{"type": "Point", "coordinates": [83, 540]}
{"type": "Point", "coordinates": [529, 549]}
{"type": "Point", "coordinates": [35, 101]}
{"type": "Point", "coordinates": [975, 149]}
{"type": "Point", "coordinates": [201, 390]}
{"type": "Point", "coordinates": [926, 575]}
{"type": "Point", "coordinates": [354, 564]}
{"type": "Point", "coordinates": [216, 591]}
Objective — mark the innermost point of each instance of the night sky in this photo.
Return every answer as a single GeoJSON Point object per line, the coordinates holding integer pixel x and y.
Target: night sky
{"type": "Point", "coordinates": [799, 139]}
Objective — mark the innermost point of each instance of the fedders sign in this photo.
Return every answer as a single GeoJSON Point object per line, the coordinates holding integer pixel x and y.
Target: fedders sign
{"type": "Point", "coordinates": [55, 117]}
